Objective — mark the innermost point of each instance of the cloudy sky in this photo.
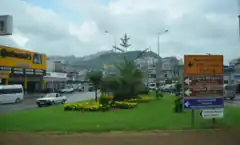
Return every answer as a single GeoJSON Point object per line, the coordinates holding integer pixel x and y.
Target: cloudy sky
{"type": "Point", "coordinates": [76, 27]}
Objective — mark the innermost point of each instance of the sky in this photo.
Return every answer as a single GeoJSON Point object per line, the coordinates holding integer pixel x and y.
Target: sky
{"type": "Point", "coordinates": [76, 27]}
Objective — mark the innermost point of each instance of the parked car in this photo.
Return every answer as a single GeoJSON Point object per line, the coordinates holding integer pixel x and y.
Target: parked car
{"type": "Point", "coordinates": [51, 99]}
{"type": "Point", "coordinates": [230, 91]}
{"type": "Point", "coordinates": [91, 88]}
{"type": "Point", "coordinates": [152, 86]}
{"type": "Point", "coordinates": [67, 90]}
{"type": "Point", "coordinates": [80, 89]}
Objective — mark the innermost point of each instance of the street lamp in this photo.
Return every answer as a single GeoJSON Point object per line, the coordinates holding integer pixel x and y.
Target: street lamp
{"type": "Point", "coordinates": [114, 38]}
{"type": "Point", "coordinates": [158, 37]}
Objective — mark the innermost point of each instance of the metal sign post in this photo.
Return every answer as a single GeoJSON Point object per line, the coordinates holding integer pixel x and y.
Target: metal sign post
{"type": "Point", "coordinates": [203, 83]}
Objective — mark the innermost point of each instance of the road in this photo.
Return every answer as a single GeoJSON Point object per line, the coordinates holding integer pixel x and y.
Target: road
{"type": "Point", "coordinates": [29, 103]}
{"type": "Point", "coordinates": [234, 103]}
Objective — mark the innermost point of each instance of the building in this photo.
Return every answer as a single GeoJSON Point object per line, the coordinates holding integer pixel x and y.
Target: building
{"type": "Point", "coordinates": [148, 67]}
{"type": "Point", "coordinates": [167, 68]}
{"type": "Point", "coordinates": [55, 78]}
{"type": "Point", "coordinates": [109, 70]}
{"type": "Point", "coordinates": [18, 66]}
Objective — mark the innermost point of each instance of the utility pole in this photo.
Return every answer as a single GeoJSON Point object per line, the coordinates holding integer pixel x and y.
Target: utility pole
{"type": "Point", "coordinates": [158, 41]}
{"type": "Point", "coordinates": [239, 25]}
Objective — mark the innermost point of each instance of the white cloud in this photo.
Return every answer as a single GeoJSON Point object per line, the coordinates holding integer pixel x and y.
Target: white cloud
{"type": "Point", "coordinates": [19, 39]}
{"type": "Point", "coordinates": [198, 26]}
{"type": "Point", "coordinates": [85, 31]}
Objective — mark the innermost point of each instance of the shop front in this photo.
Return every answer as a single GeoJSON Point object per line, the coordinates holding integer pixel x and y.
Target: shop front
{"type": "Point", "coordinates": [55, 80]}
{"type": "Point", "coordinates": [23, 67]}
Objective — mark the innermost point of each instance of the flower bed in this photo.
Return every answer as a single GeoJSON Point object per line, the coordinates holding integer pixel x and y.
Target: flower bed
{"type": "Point", "coordinates": [105, 103]}
{"type": "Point", "coordinates": [124, 105]}
{"type": "Point", "coordinates": [141, 99]}
{"type": "Point", "coordinates": [83, 107]}
{"type": "Point", "coordinates": [98, 107]}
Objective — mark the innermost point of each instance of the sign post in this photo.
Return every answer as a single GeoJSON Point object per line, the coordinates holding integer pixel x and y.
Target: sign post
{"type": "Point", "coordinates": [203, 84]}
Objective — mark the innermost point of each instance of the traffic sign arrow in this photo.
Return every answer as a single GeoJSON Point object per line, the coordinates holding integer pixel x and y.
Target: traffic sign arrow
{"type": "Point", "coordinates": [190, 64]}
{"type": "Point", "coordinates": [188, 81]}
{"type": "Point", "coordinates": [187, 104]}
{"type": "Point", "coordinates": [188, 92]}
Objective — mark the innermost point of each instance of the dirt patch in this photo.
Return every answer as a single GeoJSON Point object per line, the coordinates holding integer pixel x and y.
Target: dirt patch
{"type": "Point", "coordinates": [215, 137]}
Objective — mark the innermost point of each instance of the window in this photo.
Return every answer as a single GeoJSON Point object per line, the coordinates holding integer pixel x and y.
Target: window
{"type": "Point", "coordinates": [37, 58]}
{"type": "Point", "coordinates": [2, 26]}
{"type": "Point", "coordinates": [11, 91]}
{"type": "Point", "coordinates": [230, 87]}
{"type": "Point", "coordinates": [225, 81]}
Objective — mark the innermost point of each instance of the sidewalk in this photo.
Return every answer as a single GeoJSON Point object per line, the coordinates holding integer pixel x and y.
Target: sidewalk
{"type": "Point", "coordinates": [211, 137]}
{"type": "Point", "coordinates": [33, 95]}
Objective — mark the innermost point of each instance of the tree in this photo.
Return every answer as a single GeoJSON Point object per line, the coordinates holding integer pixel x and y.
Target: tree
{"type": "Point", "coordinates": [127, 84]}
{"type": "Point", "coordinates": [124, 42]}
{"type": "Point", "coordinates": [110, 84]}
{"type": "Point", "coordinates": [130, 79]}
{"type": "Point", "coordinates": [95, 78]}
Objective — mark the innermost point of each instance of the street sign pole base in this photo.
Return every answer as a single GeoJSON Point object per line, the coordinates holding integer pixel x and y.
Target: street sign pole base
{"type": "Point", "coordinates": [193, 118]}
{"type": "Point", "coordinates": [214, 122]}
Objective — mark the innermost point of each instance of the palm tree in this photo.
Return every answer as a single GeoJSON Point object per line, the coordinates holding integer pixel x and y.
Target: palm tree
{"type": "Point", "coordinates": [95, 78]}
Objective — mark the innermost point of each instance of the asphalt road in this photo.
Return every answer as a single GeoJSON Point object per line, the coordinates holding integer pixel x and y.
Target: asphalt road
{"type": "Point", "coordinates": [234, 103]}
{"type": "Point", "coordinates": [29, 103]}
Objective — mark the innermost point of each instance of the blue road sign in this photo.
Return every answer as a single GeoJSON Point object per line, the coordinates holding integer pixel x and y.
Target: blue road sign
{"type": "Point", "coordinates": [203, 103]}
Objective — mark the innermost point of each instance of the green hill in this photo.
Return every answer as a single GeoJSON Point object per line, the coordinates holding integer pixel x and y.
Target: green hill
{"type": "Point", "coordinates": [109, 58]}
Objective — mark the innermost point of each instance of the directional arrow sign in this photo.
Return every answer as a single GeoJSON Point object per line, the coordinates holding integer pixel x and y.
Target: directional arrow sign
{"type": "Point", "coordinates": [212, 113]}
{"type": "Point", "coordinates": [190, 64]}
{"type": "Point", "coordinates": [186, 104]}
{"type": "Point", "coordinates": [188, 81]}
{"type": "Point", "coordinates": [188, 92]}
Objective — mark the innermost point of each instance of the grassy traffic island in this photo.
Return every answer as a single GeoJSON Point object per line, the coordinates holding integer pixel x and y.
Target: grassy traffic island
{"type": "Point", "coordinates": [144, 113]}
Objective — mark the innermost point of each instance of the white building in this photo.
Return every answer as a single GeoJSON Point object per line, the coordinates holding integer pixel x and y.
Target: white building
{"type": "Point", "coordinates": [50, 65]}
{"type": "Point", "coordinates": [148, 67]}
{"type": "Point", "coordinates": [54, 80]}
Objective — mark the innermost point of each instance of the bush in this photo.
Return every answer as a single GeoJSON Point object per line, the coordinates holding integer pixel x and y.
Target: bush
{"type": "Point", "coordinates": [178, 105]}
{"type": "Point", "coordinates": [141, 99]}
{"type": "Point", "coordinates": [104, 100]}
{"type": "Point", "coordinates": [145, 99]}
{"type": "Point", "coordinates": [143, 90]}
{"type": "Point", "coordinates": [159, 95]}
{"type": "Point", "coordinates": [124, 105]}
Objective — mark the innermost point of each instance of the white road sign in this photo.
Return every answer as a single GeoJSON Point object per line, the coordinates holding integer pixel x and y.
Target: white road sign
{"type": "Point", "coordinates": [188, 81]}
{"type": "Point", "coordinates": [188, 92]}
{"type": "Point", "coordinates": [212, 113]}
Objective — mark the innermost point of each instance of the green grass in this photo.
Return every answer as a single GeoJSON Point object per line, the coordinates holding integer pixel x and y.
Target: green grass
{"type": "Point", "coordinates": [156, 115]}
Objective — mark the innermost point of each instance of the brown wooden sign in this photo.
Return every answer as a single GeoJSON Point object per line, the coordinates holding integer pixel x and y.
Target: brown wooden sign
{"type": "Point", "coordinates": [203, 86]}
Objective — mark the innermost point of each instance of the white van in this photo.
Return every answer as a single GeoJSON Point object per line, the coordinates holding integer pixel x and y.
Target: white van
{"type": "Point", "coordinates": [230, 91]}
{"type": "Point", "coordinates": [11, 94]}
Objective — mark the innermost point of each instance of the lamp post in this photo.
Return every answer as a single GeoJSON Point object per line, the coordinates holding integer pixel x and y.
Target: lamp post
{"type": "Point", "coordinates": [158, 41]}
{"type": "Point", "coordinates": [114, 39]}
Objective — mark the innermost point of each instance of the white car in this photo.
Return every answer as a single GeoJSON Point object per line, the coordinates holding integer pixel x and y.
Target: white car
{"type": "Point", "coordinates": [67, 90]}
{"type": "Point", "coordinates": [51, 99]}
{"type": "Point", "coordinates": [152, 86]}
